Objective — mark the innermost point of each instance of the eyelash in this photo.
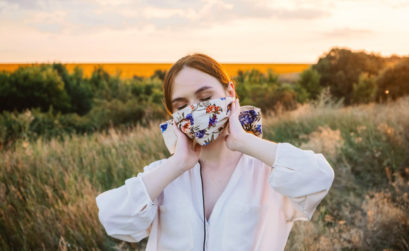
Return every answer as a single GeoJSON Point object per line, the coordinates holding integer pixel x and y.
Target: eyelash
{"type": "Point", "coordinates": [204, 99]}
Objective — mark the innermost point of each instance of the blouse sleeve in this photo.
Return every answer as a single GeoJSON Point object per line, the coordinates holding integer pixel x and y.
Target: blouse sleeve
{"type": "Point", "coordinates": [303, 177]}
{"type": "Point", "coordinates": [127, 212]}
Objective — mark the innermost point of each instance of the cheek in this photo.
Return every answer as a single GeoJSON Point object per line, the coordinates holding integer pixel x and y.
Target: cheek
{"type": "Point", "coordinates": [228, 92]}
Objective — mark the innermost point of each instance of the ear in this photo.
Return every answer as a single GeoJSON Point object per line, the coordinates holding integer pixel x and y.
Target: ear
{"type": "Point", "coordinates": [231, 89]}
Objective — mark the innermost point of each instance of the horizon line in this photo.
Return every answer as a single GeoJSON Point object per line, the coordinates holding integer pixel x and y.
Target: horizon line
{"type": "Point", "coordinates": [50, 62]}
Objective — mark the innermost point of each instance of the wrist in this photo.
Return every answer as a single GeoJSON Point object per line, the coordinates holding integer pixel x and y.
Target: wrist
{"type": "Point", "coordinates": [245, 142]}
{"type": "Point", "coordinates": [176, 164]}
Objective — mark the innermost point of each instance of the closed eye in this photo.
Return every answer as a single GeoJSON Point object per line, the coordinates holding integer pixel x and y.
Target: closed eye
{"type": "Point", "coordinates": [180, 108]}
{"type": "Point", "coordinates": [204, 99]}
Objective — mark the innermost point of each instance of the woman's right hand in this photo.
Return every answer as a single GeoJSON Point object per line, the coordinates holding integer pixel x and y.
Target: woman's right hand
{"type": "Point", "coordinates": [183, 159]}
{"type": "Point", "coordinates": [185, 153]}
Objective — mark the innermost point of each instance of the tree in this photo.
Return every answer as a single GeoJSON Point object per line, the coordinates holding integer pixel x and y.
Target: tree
{"type": "Point", "coordinates": [78, 88]}
{"type": "Point", "coordinates": [365, 90]}
{"type": "Point", "coordinates": [34, 86]}
{"type": "Point", "coordinates": [393, 82]}
{"type": "Point", "coordinates": [341, 68]}
{"type": "Point", "coordinates": [159, 74]}
{"type": "Point", "coordinates": [309, 80]}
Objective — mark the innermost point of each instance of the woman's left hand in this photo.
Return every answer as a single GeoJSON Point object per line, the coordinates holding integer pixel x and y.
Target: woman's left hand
{"type": "Point", "coordinates": [235, 135]}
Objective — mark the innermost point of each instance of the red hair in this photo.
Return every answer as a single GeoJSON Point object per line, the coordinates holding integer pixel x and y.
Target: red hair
{"type": "Point", "coordinates": [198, 61]}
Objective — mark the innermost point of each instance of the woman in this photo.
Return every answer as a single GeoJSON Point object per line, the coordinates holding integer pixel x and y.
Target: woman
{"type": "Point", "coordinates": [223, 188]}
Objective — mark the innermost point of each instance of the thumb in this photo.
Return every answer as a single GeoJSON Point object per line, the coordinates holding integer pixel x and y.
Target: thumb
{"type": "Point", "coordinates": [177, 130]}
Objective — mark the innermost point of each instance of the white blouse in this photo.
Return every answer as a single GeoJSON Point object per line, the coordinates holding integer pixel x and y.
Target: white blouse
{"type": "Point", "coordinates": [255, 211]}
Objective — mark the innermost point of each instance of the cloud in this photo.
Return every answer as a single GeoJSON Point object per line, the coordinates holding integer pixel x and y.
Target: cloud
{"type": "Point", "coordinates": [24, 4]}
{"type": "Point", "coordinates": [95, 15]}
{"type": "Point", "coordinates": [306, 14]}
{"type": "Point", "coordinates": [173, 4]}
{"type": "Point", "coordinates": [347, 32]}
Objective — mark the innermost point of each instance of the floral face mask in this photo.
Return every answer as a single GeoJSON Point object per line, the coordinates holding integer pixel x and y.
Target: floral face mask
{"type": "Point", "coordinates": [203, 122]}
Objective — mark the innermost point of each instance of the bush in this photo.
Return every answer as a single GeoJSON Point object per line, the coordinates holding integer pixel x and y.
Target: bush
{"type": "Point", "coordinates": [37, 86]}
{"type": "Point", "coordinates": [340, 69]}
{"type": "Point", "coordinates": [78, 89]}
{"type": "Point", "coordinates": [265, 91]}
{"type": "Point", "coordinates": [393, 82]}
{"type": "Point", "coordinates": [309, 80]}
{"type": "Point", "coordinates": [365, 90]}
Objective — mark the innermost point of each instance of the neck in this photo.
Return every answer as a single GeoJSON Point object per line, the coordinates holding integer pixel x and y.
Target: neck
{"type": "Point", "coordinates": [217, 155]}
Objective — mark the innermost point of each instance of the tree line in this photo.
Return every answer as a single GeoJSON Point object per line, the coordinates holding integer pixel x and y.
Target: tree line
{"type": "Point", "coordinates": [358, 77]}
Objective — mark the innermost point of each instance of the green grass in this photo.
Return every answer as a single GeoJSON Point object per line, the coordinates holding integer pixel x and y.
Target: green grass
{"type": "Point", "coordinates": [48, 188]}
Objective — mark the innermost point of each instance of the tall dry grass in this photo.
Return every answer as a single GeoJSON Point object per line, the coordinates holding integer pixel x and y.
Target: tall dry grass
{"type": "Point", "coordinates": [48, 188]}
{"type": "Point", "coordinates": [368, 147]}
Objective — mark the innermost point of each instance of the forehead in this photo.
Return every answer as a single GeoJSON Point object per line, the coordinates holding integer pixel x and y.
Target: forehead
{"type": "Point", "coordinates": [188, 80]}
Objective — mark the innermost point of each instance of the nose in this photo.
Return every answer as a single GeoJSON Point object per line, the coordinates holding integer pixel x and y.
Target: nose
{"type": "Point", "coordinates": [194, 101]}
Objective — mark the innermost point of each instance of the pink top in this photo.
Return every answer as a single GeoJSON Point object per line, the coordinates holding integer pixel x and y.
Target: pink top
{"type": "Point", "coordinates": [256, 210]}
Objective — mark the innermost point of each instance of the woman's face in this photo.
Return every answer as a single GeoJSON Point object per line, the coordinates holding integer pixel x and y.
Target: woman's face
{"type": "Point", "coordinates": [192, 86]}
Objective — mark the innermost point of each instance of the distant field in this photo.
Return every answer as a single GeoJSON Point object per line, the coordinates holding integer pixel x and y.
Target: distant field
{"type": "Point", "coordinates": [128, 70]}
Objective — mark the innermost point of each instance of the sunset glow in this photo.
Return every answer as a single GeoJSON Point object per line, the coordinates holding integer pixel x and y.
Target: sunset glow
{"type": "Point", "coordinates": [261, 31]}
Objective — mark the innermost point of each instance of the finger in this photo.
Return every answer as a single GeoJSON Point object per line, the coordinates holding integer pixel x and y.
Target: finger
{"type": "Point", "coordinates": [233, 107]}
{"type": "Point", "coordinates": [236, 110]}
{"type": "Point", "coordinates": [180, 133]}
{"type": "Point", "coordinates": [174, 125]}
{"type": "Point", "coordinates": [177, 129]}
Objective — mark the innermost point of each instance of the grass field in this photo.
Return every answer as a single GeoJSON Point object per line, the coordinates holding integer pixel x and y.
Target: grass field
{"type": "Point", "coordinates": [48, 188]}
{"type": "Point", "coordinates": [128, 70]}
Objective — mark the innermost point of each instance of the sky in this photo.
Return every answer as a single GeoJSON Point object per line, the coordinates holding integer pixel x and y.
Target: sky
{"type": "Point", "coordinates": [242, 31]}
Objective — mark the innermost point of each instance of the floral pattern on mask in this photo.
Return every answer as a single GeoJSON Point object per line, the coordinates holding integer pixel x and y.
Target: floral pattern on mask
{"type": "Point", "coordinates": [250, 119]}
{"type": "Point", "coordinates": [203, 122]}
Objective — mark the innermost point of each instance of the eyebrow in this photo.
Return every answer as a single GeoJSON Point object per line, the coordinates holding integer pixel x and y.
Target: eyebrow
{"type": "Point", "coordinates": [196, 92]}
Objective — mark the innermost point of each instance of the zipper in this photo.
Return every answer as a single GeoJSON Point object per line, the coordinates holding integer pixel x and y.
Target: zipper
{"type": "Point", "coordinates": [204, 215]}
